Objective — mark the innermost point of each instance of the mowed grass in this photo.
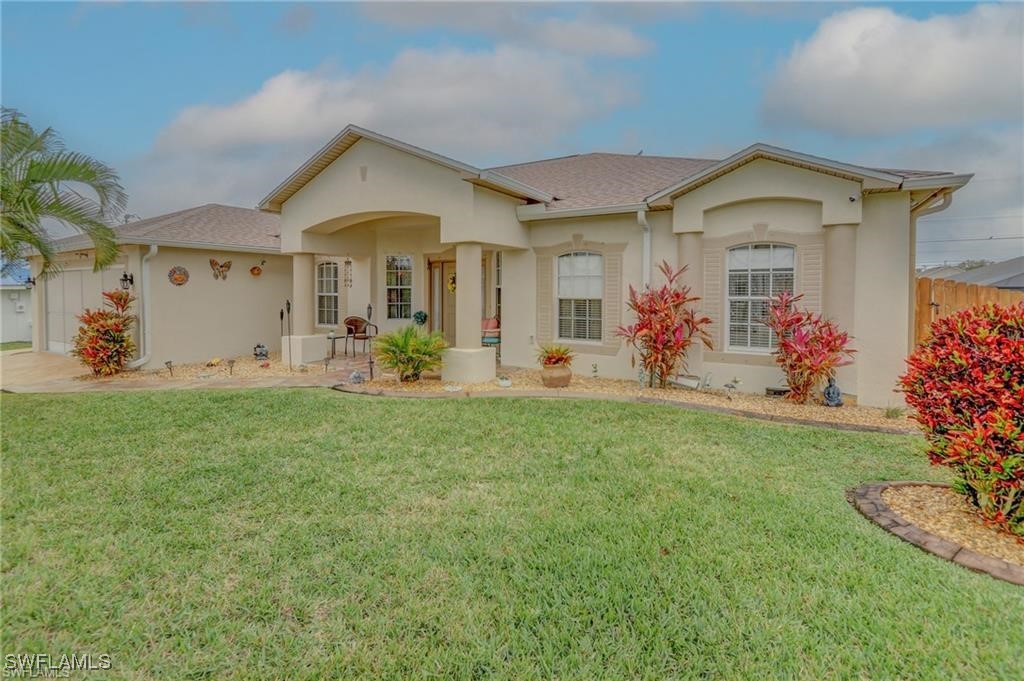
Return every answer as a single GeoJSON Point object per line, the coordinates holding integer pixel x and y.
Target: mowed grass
{"type": "Point", "coordinates": [310, 534]}
{"type": "Point", "coordinates": [15, 345]}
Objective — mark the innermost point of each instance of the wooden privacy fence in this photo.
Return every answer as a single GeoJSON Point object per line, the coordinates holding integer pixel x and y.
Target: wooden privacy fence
{"type": "Point", "coordinates": [937, 298]}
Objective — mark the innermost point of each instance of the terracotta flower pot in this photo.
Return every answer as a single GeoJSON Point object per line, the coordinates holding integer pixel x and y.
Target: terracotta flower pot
{"type": "Point", "coordinates": [557, 376]}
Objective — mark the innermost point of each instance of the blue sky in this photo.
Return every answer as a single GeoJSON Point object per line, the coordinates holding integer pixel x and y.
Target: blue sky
{"type": "Point", "coordinates": [219, 101]}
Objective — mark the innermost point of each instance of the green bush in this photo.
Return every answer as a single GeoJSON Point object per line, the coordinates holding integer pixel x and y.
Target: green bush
{"type": "Point", "coordinates": [409, 351]}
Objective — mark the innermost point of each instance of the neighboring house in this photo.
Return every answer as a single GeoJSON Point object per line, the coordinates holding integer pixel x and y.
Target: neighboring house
{"type": "Point", "coordinates": [16, 303]}
{"type": "Point", "coordinates": [179, 320]}
{"type": "Point", "coordinates": [1008, 274]}
{"type": "Point", "coordinates": [940, 272]}
{"type": "Point", "coordinates": [552, 246]}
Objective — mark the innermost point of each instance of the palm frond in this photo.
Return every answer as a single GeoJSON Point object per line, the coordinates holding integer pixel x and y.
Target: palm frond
{"type": "Point", "coordinates": [40, 179]}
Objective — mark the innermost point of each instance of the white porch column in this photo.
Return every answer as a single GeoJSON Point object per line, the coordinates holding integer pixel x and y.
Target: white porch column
{"type": "Point", "coordinates": [837, 296]}
{"type": "Point", "coordinates": [303, 347]}
{"type": "Point", "coordinates": [468, 362]}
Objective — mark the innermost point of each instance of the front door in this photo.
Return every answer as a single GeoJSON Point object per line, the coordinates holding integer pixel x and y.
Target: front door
{"type": "Point", "coordinates": [442, 299]}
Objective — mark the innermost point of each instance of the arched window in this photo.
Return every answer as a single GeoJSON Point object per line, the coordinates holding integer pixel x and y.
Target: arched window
{"type": "Point", "coordinates": [580, 290]}
{"type": "Point", "coordinates": [327, 294]}
{"type": "Point", "coordinates": [756, 273]}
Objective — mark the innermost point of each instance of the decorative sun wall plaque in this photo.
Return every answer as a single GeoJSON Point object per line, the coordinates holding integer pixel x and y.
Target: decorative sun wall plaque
{"type": "Point", "coordinates": [178, 275]}
{"type": "Point", "coordinates": [220, 269]}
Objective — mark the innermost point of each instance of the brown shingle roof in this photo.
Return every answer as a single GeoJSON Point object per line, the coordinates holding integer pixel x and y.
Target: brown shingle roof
{"type": "Point", "coordinates": [600, 179]}
{"type": "Point", "coordinates": [209, 225]}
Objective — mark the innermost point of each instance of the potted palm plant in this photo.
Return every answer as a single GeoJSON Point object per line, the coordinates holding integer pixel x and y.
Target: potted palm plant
{"type": "Point", "coordinates": [555, 361]}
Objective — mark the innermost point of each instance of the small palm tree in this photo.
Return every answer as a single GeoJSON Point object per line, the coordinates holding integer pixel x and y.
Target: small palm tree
{"type": "Point", "coordinates": [410, 351]}
{"type": "Point", "coordinates": [40, 179]}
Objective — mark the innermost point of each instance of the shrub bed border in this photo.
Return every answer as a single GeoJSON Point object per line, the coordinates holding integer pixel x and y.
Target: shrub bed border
{"type": "Point", "coordinates": [556, 393]}
{"type": "Point", "coordinates": [868, 500]}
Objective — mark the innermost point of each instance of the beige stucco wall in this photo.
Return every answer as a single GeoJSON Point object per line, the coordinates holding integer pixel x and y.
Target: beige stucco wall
{"type": "Point", "coordinates": [210, 317]}
{"type": "Point", "coordinates": [764, 179]}
{"type": "Point", "coordinates": [372, 180]}
{"type": "Point", "coordinates": [883, 296]}
{"type": "Point", "coordinates": [519, 292]}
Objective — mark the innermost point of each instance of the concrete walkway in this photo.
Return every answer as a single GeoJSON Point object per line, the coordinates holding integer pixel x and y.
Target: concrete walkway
{"type": "Point", "coordinates": [23, 371]}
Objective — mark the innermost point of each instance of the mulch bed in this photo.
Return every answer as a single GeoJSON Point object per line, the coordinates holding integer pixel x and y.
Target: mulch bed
{"type": "Point", "coordinates": [936, 519]}
{"type": "Point", "coordinates": [527, 383]}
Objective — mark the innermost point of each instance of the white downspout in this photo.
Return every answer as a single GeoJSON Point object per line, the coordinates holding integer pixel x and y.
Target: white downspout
{"type": "Point", "coordinates": [144, 310]}
{"type": "Point", "coordinates": [641, 219]}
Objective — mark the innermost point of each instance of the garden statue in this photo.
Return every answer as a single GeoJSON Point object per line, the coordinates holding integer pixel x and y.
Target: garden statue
{"type": "Point", "coordinates": [356, 377]}
{"type": "Point", "coordinates": [833, 395]}
{"type": "Point", "coordinates": [260, 352]}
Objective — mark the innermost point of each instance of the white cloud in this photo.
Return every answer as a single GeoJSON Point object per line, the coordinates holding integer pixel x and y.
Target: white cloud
{"type": "Point", "coordinates": [584, 34]}
{"type": "Point", "coordinates": [475, 106]}
{"type": "Point", "coordinates": [991, 205]}
{"type": "Point", "coordinates": [872, 71]}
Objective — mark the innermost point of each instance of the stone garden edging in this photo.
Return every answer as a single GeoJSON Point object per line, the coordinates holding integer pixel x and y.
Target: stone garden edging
{"type": "Point", "coordinates": [557, 393]}
{"type": "Point", "coordinates": [868, 500]}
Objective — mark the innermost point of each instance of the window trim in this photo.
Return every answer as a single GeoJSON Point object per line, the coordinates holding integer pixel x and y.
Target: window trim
{"type": "Point", "coordinates": [336, 295]}
{"type": "Point", "coordinates": [727, 312]}
{"type": "Point", "coordinates": [557, 304]}
{"type": "Point", "coordinates": [411, 285]}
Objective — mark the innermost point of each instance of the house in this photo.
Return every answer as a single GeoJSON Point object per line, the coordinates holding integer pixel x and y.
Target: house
{"type": "Point", "coordinates": [552, 246]}
{"type": "Point", "coordinates": [188, 309]}
{"type": "Point", "coordinates": [939, 272]}
{"type": "Point", "coordinates": [16, 304]}
{"type": "Point", "coordinates": [1007, 274]}
{"type": "Point", "coordinates": [373, 226]}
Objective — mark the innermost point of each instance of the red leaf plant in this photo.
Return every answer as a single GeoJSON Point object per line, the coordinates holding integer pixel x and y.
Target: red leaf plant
{"type": "Point", "coordinates": [104, 342]}
{"type": "Point", "coordinates": [810, 348]}
{"type": "Point", "coordinates": [966, 385]}
{"type": "Point", "coordinates": [665, 326]}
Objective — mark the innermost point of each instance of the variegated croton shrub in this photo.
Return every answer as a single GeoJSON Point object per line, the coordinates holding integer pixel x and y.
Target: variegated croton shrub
{"type": "Point", "coordinates": [966, 385]}
{"type": "Point", "coordinates": [104, 341]}
{"type": "Point", "coordinates": [810, 348]}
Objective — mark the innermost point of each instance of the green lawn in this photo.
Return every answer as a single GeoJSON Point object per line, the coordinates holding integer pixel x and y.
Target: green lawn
{"type": "Point", "coordinates": [310, 534]}
{"type": "Point", "coordinates": [15, 345]}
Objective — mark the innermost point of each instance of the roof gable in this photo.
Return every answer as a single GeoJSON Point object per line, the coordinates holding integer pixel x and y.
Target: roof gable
{"type": "Point", "coordinates": [777, 154]}
{"type": "Point", "coordinates": [333, 150]}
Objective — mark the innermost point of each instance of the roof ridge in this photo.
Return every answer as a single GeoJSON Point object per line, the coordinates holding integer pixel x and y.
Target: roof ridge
{"type": "Point", "coordinates": [158, 221]}
{"type": "Point", "coordinates": [603, 153]}
{"type": "Point", "coordinates": [540, 160]}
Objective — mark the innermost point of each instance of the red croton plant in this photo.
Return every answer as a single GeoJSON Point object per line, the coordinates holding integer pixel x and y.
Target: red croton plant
{"type": "Point", "coordinates": [665, 326]}
{"type": "Point", "coordinates": [104, 342]}
{"type": "Point", "coordinates": [966, 385]}
{"type": "Point", "coordinates": [810, 348]}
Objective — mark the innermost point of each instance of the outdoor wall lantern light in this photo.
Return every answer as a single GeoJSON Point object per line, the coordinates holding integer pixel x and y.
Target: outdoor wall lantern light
{"type": "Point", "coordinates": [346, 273]}
{"type": "Point", "coordinates": [30, 281]}
{"type": "Point", "coordinates": [369, 312]}
{"type": "Point", "coordinates": [127, 281]}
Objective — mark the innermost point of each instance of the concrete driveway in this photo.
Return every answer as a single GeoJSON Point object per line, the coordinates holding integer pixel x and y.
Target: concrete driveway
{"type": "Point", "coordinates": [22, 368]}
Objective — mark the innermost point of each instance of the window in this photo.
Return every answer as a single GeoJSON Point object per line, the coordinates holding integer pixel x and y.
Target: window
{"type": "Point", "coordinates": [756, 273]}
{"type": "Point", "coordinates": [580, 287]}
{"type": "Point", "coordinates": [327, 294]}
{"type": "Point", "coordinates": [398, 284]}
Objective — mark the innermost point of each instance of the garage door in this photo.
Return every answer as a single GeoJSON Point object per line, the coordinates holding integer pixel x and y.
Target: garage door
{"type": "Point", "coordinates": [67, 294]}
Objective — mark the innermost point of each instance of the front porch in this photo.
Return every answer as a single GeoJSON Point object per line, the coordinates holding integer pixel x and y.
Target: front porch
{"type": "Point", "coordinates": [392, 271]}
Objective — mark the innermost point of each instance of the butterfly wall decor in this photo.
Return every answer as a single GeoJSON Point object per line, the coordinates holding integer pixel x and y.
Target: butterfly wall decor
{"type": "Point", "coordinates": [220, 269]}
